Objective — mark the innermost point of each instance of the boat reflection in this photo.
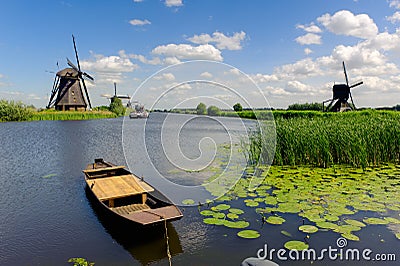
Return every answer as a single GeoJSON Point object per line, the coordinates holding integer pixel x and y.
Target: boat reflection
{"type": "Point", "coordinates": [145, 244]}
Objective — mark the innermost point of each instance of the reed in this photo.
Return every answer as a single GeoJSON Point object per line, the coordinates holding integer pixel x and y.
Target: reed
{"type": "Point", "coordinates": [70, 115]}
{"type": "Point", "coordinates": [363, 138]}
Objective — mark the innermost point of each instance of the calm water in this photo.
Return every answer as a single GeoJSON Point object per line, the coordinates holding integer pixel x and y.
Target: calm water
{"type": "Point", "coordinates": [47, 216]}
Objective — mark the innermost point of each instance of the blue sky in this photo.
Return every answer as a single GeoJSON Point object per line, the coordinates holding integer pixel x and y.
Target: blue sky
{"type": "Point", "coordinates": [292, 50]}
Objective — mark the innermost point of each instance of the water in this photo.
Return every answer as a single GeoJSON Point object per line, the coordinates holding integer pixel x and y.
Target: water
{"type": "Point", "coordinates": [47, 216]}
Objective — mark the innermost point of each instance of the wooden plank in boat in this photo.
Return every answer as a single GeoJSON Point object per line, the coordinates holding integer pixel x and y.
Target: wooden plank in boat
{"type": "Point", "coordinates": [155, 215]}
{"type": "Point", "coordinates": [115, 187]}
{"type": "Point", "coordinates": [104, 169]}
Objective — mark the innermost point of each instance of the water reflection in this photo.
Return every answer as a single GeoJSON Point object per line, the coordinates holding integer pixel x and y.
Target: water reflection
{"type": "Point", "coordinates": [145, 244]}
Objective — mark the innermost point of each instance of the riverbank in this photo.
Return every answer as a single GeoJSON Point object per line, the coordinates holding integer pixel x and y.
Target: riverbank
{"type": "Point", "coordinates": [70, 115]}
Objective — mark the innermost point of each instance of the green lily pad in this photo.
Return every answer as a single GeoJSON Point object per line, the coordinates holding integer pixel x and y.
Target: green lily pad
{"type": "Point", "coordinates": [275, 220]}
{"type": "Point", "coordinates": [373, 220]}
{"type": "Point", "coordinates": [350, 236]}
{"type": "Point", "coordinates": [237, 224]}
{"type": "Point", "coordinates": [286, 233]}
{"type": "Point", "coordinates": [327, 225]}
{"type": "Point", "coordinates": [49, 175]}
{"type": "Point", "coordinates": [249, 234]}
{"type": "Point", "coordinates": [354, 222]}
{"type": "Point", "coordinates": [251, 203]}
{"type": "Point", "coordinates": [232, 216]}
{"type": "Point", "coordinates": [188, 202]}
{"type": "Point", "coordinates": [236, 211]}
{"type": "Point", "coordinates": [221, 207]}
{"type": "Point", "coordinates": [308, 228]}
{"type": "Point", "coordinates": [296, 245]}
{"type": "Point", "coordinates": [214, 221]}
{"type": "Point", "coordinates": [392, 220]}
{"type": "Point", "coordinates": [397, 236]}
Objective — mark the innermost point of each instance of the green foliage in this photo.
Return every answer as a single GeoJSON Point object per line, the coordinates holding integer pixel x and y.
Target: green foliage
{"type": "Point", "coordinates": [117, 107]}
{"type": "Point", "coordinates": [70, 115]}
{"type": "Point", "coordinates": [80, 262]}
{"type": "Point", "coordinates": [201, 109]}
{"type": "Point", "coordinates": [356, 138]}
{"type": "Point", "coordinates": [213, 110]}
{"type": "Point", "coordinates": [306, 106]}
{"type": "Point", "coordinates": [238, 107]}
{"type": "Point", "coordinates": [101, 108]}
{"type": "Point", "coordinates": [14, 111]}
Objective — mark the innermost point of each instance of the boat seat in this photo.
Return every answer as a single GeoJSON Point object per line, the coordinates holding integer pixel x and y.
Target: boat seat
{"type": "Point", "coordinates": [127, 209]}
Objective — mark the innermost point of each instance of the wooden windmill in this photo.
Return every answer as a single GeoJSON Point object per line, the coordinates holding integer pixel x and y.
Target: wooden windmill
{"type": "Point", "coordinates": [67, 93]}
{"type": "Point", "coordinates": [341, 94]}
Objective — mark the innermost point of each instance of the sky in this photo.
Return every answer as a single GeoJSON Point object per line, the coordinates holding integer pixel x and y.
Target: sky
{"type": "Point", "coordinates": [176, 53]}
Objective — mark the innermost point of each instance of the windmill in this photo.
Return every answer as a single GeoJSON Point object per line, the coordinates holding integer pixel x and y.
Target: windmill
{"type": "Point", "coordinates": [111, 98]}
{"type": "Point", "coordinates": [341, 94]}
{"type": "Point", "coordinates": [67, 93]}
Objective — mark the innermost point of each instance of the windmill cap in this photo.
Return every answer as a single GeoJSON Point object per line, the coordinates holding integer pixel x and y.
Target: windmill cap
{"type": "Point", "coordinates": [68, 72]}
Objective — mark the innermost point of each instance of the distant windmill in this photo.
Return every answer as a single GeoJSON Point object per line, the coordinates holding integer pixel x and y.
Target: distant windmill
{"type": "Point", "coordinates": [341, 94]}
{"type": "Point", "coordinates": [67, 93]}
{"type": "Point", "coordinates": [110, 97]}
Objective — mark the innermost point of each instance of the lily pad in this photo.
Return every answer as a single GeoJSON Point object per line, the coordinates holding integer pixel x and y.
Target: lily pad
{"type": "Point", "coordinates": [308, 228]}
{"type": "Point", "coordinates": [214, 221]}
{"type": "Point", "coordinates": [237, 224]}
{"type": "Point", "coordinates": [286, 233]}
{"type": "Point", "coordinates": [350, 236]}
{"type": "Point", "coordinates": [275, 220]}
{"type": "Point", "coordinates": [232, 216]}
{"type": "Point", "coordinates": [249, 234]}
{"type": "Point", "coordinates": [251, 203]}
{"type": "Point", "coordinates": [236, 211]}
{"type": "Point", "coordinates": [397, 235]}
{"type": "Point", "coordinates": [296, 245]}
{"type": "Point", "coordinates": [373, 220]}
{"type": "Point", "coordinates": [392, 220]}
{"type": "Point", "coordinates": [49, 175]}
{"type": "Point", "coordinates": [327, 225]}
{"type": "Point", "coordinates": [221, 207]}
{"type": "Point", "coordinates": [354, 222]}
{"type": "Point", "coordinates": [188, 201]}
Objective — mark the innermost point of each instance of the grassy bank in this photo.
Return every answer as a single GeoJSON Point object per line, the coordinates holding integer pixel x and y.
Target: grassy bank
{"type": "Point", "coordinates": [70, 115]}
{"type": "Point", "coordinates": [362, 138]}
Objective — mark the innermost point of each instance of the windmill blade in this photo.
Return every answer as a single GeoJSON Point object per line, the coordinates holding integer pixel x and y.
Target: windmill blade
{"type": "Point", "coordinates": [72, 65]}
{"type": "Point", "coordinates": [106, 96]}
{"type": "Point", "coordinates": [76, 53]}
{"type": "Point", "coordinates": [345, 74]}
{"type": "Point", "coordinates": [352, 101]}
{"type": "Point", "coordinates": [87, 94]}
{"type": "Point", "coordinates": [357, 84]}
{"type": "Point", "coordinates": [88, 76]}
{"type": "Point", "coordinates": [53, 92]}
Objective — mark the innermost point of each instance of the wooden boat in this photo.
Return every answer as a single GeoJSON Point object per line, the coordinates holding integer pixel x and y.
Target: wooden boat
{"type": "Point", "coordinates": [128, 196]}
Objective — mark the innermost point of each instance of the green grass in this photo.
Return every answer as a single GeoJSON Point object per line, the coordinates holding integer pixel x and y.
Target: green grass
{"type": "Point", "coordinates": [314, 138]}
{"type": "Point", "coordinates": [70, 115]}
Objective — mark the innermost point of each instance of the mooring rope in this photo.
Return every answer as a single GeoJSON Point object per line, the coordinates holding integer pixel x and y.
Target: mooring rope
{"type": "Point", "coordinates": [167, 238]}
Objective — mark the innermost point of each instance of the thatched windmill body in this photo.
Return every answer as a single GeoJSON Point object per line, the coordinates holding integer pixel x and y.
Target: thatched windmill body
{"type": "Point", "coordinates": [67, 93]}
{"type": "Point", "coordinates": [341, 95]}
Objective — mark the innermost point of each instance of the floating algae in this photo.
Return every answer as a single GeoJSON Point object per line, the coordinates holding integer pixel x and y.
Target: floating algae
{"type": "Point", "coordinates": [188, 201]}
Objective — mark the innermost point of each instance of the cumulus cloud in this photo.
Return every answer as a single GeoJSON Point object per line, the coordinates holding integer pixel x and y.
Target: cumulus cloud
{"type": "Point", "coordinates": [165, 76]}
{"type": "Point", "coordinates": [173, 3]}
{"type": "Point", "coordinates": [309, 38]}
{"type": "Point", "coordinates": [206, 74]}
{"type": "Point", "coordinates": [307, 51]}
{"type": "Point", "coordinates": [395, 4]}
{"type": "Point", "coordinates": [394, 18]}
{"type": "Point", "coordinates": [346, 23]}
{"type": "Point", "coordinates": [310, 28]}
{"type": "Point", "coordinates": [221, 40]}
{"type": "Point", "coordinates": [138, 22]}
{"type": "Point", "coordinates": [188, 52]}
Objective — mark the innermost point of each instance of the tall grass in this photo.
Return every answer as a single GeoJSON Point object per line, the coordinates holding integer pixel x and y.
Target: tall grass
{"type": "Point", "coordinates": [70, 115]}
{"type": "Point", "coordinates": [356, 138]}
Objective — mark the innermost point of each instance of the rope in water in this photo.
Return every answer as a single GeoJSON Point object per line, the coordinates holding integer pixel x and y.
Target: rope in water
{"type": "Point", "coordinates": [167, 238]}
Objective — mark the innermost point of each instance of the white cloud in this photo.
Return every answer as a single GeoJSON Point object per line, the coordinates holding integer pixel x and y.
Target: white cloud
{"type": "Point", "coordinates": [394, 18]}
{"type": "Point", "coordinates": [165, 76]}
{"type": "Point", "coordinates": [137, 1]}
{"type": "Point", "coordinates": [188, 52]}
{"type": "Point", "coordinates": [171, 3]}
{"type": "Point", "coordinates": [310, 28]}
{"type": "Point", "coordinates": [221, 40]}
{"type": "Point", "coordinates": [346, 23]}
{"type": "Point", "coordinates": [138, 22]}
{"type": "Point", "coordinates": [206, 74]}
{"type": "Point", "coordinates": [308, 51]}
{"type": "Point", "coordinates": [101, 63]}
{"type": "Point", "coordinates": [309, 38]}
{"type": "Point", "coordinates": [395, 4]}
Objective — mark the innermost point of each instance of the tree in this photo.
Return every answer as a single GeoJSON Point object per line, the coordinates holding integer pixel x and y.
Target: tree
{"type": "Point", "coordinates": [201, 109]}
{"type": "Point", "coordinates": [213, 110]}
{"type": "Point", "coordinates": [238, 107]}
{"type": "Point", "coordinates": [116, 106]}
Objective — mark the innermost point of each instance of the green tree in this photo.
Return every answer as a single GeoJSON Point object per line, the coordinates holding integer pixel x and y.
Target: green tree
{"type": "Point", "coordinates": [213, 110]}
{"type": "Point", "coordinates": [201, 109]}
{"type": "Point", "coordinates": [238, 107]}
{"type": "Point", "coordinates": [116, 106]}
{"type": "Point", "coordinates": [14, 111]}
